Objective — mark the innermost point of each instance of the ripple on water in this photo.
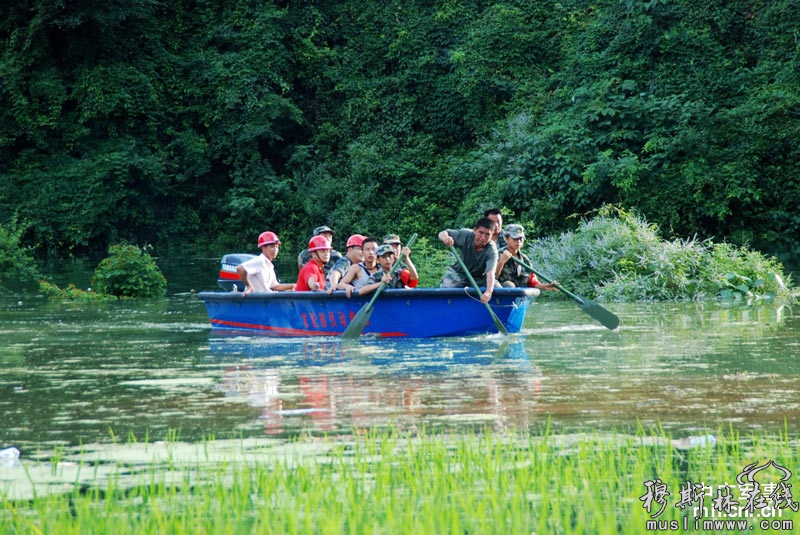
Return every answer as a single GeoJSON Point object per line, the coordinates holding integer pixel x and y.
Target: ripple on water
{"type": "Point", "coordinates": [78, 372]}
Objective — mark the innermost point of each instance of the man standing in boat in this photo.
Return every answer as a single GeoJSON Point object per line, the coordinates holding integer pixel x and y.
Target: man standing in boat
{"type": "Point", "coordinates": [479, 254]}
{"type": "Point", "coordinates": [312, 277]}
{"type": "Point", "coordinates": [258, 274]}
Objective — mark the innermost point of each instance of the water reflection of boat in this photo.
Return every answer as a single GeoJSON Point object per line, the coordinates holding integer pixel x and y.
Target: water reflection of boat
{"type": "Point", "coordinates": [409, 355]}
{"type": "Point", "coordinates": [419, 313]}
{"type": "Point", "coordinates": [328, 385]}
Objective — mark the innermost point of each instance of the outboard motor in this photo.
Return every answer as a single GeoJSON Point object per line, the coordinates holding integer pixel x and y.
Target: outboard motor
{"type": "Point", "coordinates": [229, 280]}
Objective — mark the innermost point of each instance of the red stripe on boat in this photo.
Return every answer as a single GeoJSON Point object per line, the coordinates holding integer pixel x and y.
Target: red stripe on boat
{"type": "Point", "coordinates": [289, 331]}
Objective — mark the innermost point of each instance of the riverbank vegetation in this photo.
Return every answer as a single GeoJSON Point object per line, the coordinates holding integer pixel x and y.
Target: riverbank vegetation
{"type": "Point", "coordinates": [388, 481]}
{"type": "Point", "coordinates": [619, 256]}
{"type": "Point", "coordinates": [194, 126]}
{"type": "Point", "coordinates": [18, 270]}
{"type": "Point", "coordinates": [615, 256]}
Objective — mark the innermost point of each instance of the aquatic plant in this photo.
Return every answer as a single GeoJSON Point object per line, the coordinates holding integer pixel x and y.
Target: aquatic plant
{"type": "Point", "coordinates": [619, 256]}
{"type": "Point", "coordinates": [70, 293]}
{"type": "Point", "coordinates": [390, 481]}
{"type": "Point", "coordinates": [129, 271]}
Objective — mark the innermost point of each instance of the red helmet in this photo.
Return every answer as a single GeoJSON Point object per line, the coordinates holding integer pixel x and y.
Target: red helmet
{"type": "Point", "coordinates": [318, 243]}
{"type": "Point", "coordinates": [356, 240]}
{"type": "Point", "coordinates": [266, 238]}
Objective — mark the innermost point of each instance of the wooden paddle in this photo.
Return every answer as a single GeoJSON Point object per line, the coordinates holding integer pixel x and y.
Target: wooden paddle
{"type": "Point", "coordinates": [360, 320]}
{"type": "Point", "coordinates": [497, 323]}
{"type": "Point", "coordinates": [608, 319]}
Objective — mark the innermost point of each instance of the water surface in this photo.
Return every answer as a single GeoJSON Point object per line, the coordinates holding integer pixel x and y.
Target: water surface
{"type": "Point", "coordinates": [92, 373]}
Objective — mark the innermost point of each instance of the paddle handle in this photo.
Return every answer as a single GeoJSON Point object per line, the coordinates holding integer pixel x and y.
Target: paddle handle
{"type": "Point", "coordinates": [547, 280]}
{"type": "Point", "coordinates": [497, 323]}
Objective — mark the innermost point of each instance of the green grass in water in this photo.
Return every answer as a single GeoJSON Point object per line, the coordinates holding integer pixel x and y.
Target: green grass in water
{"type": "Point", "coordinates": [397, 482]}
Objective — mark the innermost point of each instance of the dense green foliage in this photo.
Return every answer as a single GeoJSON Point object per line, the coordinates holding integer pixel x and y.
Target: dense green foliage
{"type": "Point", "coordinates": [18, 271]}
{"type": "Point", "coordinates": [200, 124]}
{"type": "Point", "coordinates": [620, 257]}
{"type": "Point", "coordinates": [128, 271]}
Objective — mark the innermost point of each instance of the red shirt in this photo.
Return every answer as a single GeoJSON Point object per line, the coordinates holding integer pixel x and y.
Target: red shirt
{"type": "Point", "coordinates": [310, 270]}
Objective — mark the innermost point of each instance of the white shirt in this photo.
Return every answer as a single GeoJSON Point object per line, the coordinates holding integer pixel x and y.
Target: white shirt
{"type": "Point", "coordinates": [260, 273]}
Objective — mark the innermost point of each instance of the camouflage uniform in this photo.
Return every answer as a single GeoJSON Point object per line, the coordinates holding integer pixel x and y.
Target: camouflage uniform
{"type": "Point", "coordinates": [395, 283]}
{"type": "Point", "coordinates": [341, 265]}
{"type": "Point", "coordinates": [456, 279]}
{"type": "Point", "coordinates": [513, 273]}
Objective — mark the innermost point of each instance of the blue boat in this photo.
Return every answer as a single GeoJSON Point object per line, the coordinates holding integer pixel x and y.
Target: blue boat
{"type": "Point", "coordinates": [417, 313]}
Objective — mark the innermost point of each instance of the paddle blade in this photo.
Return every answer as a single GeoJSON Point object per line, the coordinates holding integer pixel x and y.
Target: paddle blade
{"type": "Point", "coordinates": [358, 323]}
{"type": "Point", "coordinates": [604, 316]}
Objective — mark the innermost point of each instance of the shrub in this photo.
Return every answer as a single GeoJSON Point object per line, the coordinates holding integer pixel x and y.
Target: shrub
{"type": "Point", "coordinates": [431, 260]}
{"type": "Point", "coordinates": [129, 271]}
{"type": "Point", "coordinates": [738, 272]}
{"type": "Point", "coordinates": [618, 256]}
{"type": "Point", "coordinates": [18, 271]}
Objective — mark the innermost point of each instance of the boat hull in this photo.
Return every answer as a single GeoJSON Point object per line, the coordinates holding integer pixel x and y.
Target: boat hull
{"type": "Point", "coordinates": [418, 313]}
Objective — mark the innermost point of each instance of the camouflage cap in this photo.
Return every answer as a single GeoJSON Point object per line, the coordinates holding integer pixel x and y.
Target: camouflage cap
{"type": "Point", "coordinates": [384, 250]}
{"type": "Point", "coordinates": [391, 239]}
{"type": "Point", "coordinates": [514, 231]}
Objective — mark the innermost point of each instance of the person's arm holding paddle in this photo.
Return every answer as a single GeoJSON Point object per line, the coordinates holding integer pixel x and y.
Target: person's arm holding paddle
{"type": "Point", "coordinates": [446, 238]}
{"type": "Point", "coordinates": [490, 279]}
{"type": "Point", "coordinates": [410, 270]}
{"type": "Point", "coordinates": [534, 282]}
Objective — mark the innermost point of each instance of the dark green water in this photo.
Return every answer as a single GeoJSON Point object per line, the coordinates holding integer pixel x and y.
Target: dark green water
{"type": "Point", "coordinates": [89, 373]}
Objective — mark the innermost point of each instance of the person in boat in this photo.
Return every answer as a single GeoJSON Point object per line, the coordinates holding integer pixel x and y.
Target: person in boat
{"type": "Point", "coordinates": [512, 274]}
{"type": "Point", "coordinates": [400, 251]}
{"type": "Point", "coordinates": [353, 255]}
{"type": "Point", "coordinates": [479, 254]}
{"type": "Point", "coordinates": [497, 234]}
{"type": "Point", "coordinates": [305, 255]}
{"type": "Point", "coordinates": [402, 278]}
{"type": "Point", "coordinates": [394, 241]}
{"type": "Point", "coordinates": [258, 273]}
{"type": "Point", "coordinates": [311, 276]}
{"type": "Point", "coordinates": [358, 275]}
